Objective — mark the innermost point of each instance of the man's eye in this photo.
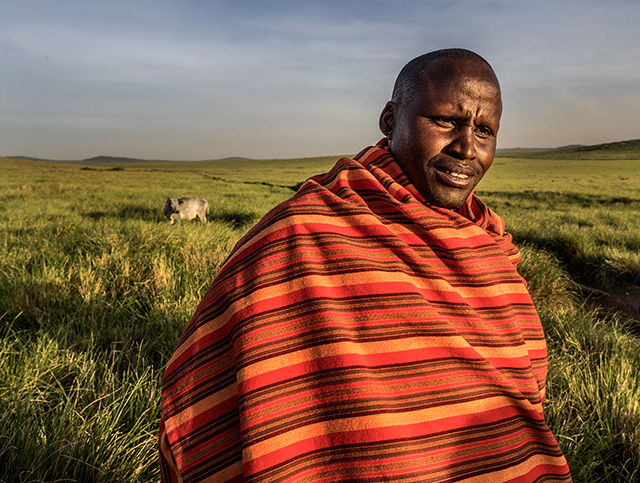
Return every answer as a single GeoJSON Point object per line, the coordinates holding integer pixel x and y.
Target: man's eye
{"type": "Point", "coordinates": [446, 122]}
{"type": "Point", "coordinates": [484, 132]}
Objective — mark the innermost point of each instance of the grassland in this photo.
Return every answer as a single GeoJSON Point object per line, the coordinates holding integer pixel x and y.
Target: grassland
{"type": "Point", "coordinates": [95, 289]}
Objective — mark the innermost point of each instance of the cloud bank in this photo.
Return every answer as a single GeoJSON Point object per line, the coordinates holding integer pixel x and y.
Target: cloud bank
{"type": "Point", "coordinates": [209, 79]}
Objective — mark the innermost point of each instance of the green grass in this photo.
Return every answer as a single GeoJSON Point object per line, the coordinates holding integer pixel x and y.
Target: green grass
{"type": "Point", "coordinates": [596, 236]}
{"type": "Point", "coordinates": [593, 386]}
{"type": "Point", "coordinates": [96, 288]}
{"type": "Point", "coordinates": [594, 392]}
{"type": "Point", "coordinates": [69, 415]}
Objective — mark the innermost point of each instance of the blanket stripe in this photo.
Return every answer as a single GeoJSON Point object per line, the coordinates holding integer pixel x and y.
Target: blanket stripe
{"type": "Point", "coordinates": [358, 333]}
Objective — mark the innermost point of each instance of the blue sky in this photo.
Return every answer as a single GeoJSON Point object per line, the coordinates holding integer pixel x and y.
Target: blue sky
{"type": "Point", "coordinates": [195, 79]}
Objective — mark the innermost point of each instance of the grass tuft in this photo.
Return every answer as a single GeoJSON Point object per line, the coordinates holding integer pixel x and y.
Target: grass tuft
{"type": "Point", "coordinates": [75, 416]}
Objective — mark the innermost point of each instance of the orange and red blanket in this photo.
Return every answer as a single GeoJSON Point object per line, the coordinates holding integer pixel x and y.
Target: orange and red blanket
{"type": "Point", "coordinates": [359, 334]}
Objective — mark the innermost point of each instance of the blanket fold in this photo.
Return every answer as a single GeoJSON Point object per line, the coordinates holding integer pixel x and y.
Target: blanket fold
{"type": "Point", "coordinates": [358, 333]}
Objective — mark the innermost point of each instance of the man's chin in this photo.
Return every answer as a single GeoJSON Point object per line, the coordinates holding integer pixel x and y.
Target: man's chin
{"type": "Point", "coordinates": [449, 199]}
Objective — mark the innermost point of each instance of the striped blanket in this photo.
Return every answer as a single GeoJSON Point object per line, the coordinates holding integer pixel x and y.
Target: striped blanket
{"type": "Point", "coordinates": [359, 334]}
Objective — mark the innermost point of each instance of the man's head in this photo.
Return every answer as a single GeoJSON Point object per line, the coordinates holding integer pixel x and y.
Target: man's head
{"type": "Point", "coordinates": [442, 123]}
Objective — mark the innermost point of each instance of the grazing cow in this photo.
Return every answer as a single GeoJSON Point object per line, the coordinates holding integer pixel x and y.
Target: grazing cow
{"type": "Point", "coordinates": [186, 209]}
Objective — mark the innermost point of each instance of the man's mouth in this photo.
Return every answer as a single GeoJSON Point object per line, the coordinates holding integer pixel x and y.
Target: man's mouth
{"type": "Point", "coordinates": [454, 177]}
{"type": "Point", "coordinates": [457, 175]}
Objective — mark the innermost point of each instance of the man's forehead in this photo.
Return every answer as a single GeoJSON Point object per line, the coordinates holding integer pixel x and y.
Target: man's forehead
{"type": "Point", "coordinates": [457, 71]}
{"type": "Point", "coordinates": [448, 78]}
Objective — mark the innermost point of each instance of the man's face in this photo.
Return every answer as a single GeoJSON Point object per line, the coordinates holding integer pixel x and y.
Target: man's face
{"type": "Point", "coordinates": [444, 137]}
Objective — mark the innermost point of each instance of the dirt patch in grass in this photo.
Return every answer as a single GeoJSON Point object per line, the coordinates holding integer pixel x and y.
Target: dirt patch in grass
{"type": "Point", "coordinates": [620, 300]}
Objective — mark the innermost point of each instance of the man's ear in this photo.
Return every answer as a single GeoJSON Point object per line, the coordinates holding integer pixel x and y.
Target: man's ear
{"type": "Point", "coordinates": [388, 119]}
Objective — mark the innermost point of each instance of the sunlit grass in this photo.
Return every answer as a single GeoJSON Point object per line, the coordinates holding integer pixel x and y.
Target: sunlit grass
{"type": "Point", "coordinates": [96, 288]}
{"type": "Point", "coordinates": [595, 237]}
{"type": "Point", "coordinates": [593, 394]}
{"type": "Point", "coordinates": [75, 416]}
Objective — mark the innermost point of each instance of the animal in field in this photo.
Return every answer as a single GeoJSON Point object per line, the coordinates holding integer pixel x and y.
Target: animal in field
{"type": "Point", "coordinates": [177, 209]}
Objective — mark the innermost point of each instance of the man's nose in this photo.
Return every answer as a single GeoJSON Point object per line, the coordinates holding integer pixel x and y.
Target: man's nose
{"type": "Point", "coordinates": [463, 145]}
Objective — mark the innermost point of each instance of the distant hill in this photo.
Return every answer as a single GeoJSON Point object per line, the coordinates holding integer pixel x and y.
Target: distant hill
{"type": "Point", "coordinates": [617, 150]}
{"type": "Point", "coordinates": [114, 160]}
{"type": "Point", "coordinates": [523, 150]}
{"type": "Point", "coordinates": [29, 158]}
{"type": "Point", "coordinates": [94, 160]}
{"type": "Point", "coordinates": [233, 158]}
{"type": "Point", "coordinates": [631, 145]}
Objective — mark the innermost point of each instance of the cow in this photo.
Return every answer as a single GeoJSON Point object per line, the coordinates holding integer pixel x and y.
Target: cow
{"type": "Point", "coordinates": [178, 209]}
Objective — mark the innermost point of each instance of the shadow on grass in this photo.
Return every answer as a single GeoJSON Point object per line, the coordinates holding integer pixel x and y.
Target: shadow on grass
{"type": "Point", "coordinates": [237, 219]}
{"type": "Point", "coordinates": [556, 198]}
{"type": "Point", "coordinates": [136, 326]}
{"type": "Point", "coordinates": [293, 187]}
{"type": "Point", "coordinates": [129, 212]}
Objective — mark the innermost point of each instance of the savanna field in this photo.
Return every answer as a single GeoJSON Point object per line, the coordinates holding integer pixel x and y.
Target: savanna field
{"type": "Point", "coordinates": [96, 288]}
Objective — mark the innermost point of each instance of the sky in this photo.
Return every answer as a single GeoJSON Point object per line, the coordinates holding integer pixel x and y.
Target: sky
{"type": "Point", "coordinates": [196, 79]}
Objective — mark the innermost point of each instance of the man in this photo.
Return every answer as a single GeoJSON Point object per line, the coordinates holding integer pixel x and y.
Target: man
{"type": "Point", "coordinates": [373, 327]}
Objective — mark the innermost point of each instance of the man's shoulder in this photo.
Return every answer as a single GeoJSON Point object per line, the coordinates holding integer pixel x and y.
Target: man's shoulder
{"type": "Point", "coordinates": [332, 193]}
{"type": "Point", "coordinates": [328, 194]}
{"type": "Point", "coordinates": [341, 169]}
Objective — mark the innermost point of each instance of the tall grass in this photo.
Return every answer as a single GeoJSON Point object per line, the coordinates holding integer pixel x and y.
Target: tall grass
{"type": "Point", "coordinates": [96, 288]}
{"type": "Point", "coordinates": [594, 392]}
{"type": "Point", "coordinates": [69, 415]}
{"type": "Point", "coordinates": [593, 387]}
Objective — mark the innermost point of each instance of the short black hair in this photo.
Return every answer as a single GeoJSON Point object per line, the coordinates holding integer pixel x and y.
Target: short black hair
{"type": "Point", "coordinates": [415, 72]}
